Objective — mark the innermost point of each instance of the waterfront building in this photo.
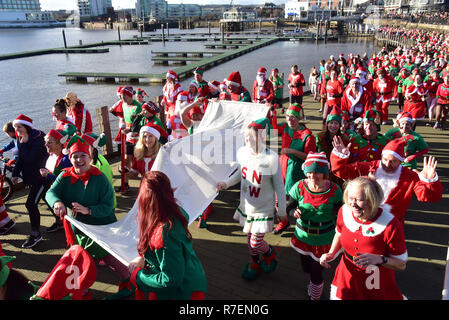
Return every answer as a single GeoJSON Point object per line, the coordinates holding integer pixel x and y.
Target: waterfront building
{"type": "Point", "coordinates": [24, 13]}
{"type": "Point", "coordinates": [176, 11]}
{"type": "Point", "coordinates": [93, 8]}
{"type": "Point", "coordinates": [151, 9]}
{"type": "Point", "coordinates": [239, 14]}
{"type": "Point", "coordinates": [312, 9]}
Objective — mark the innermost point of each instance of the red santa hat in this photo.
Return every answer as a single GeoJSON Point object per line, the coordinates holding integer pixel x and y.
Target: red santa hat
{"type": "Point", "coordinates": [172, 74]}
{"type": "Point", "coordinates": [151, 107]}
{"type": "Point", "coordinates": [193, 83]}
{"type": "Point", "coordinates": [119, 92]}
{"type": "Point", "coordinates": [342, 55]}
{"type": "Point", "coordinates": [214, 84]}
{"type": "Point", "coordinates": [360, 71]}
{"type": "Point", "coordinates": [23, 120]}
{"type": "Point", "coordinates": [62, 138]}
{"type": "Point", "coordinates": [261, 71]}
{"type": "Point", "coordinates": [354, 79]}
{"type": "Point", "coordinates": [234, 79]}
{"type": "Point", "coordinates": [128, 91]}
{"type": "Point", "coordinates": [396, 148]}
{"type": "Point", "coordinates": [156, 131]}
{"type": "Point", "coordinates": [74, 273]}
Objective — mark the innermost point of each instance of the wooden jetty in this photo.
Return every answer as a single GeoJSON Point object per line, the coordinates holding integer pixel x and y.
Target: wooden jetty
{"type": "Point", "coordinates": [175, 60]}
{"type": "Point", "coordinates": [185, 53]}
{"type": "Point", "coordinates": [51, 51]}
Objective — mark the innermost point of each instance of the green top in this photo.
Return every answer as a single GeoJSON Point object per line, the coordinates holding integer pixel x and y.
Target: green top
{"type": "Point", "coordinates": [408, 82]}
{"type": "Point", "coordinates": [415, 143]}
{"type": "Point", "coordinates": [316, 207]}
{"type": "Point", "coordinates": [278, 82]}
{"type": "Point", "coordinates": [103, 165]}
{"type": "Point", "coordinates": [131, 111]}
{"type": "Point", "coordinates": [173, 270]}
{"type": "Point", "coordinates": [98, 195]}
{"type": "Point", "coordinates": [400, 81]}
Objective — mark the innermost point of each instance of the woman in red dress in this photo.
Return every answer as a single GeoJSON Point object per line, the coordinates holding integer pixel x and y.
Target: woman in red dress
{"type": "Point", "coordinates": [373, 243]}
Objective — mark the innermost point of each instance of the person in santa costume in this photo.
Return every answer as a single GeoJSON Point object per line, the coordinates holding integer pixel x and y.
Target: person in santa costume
{"type": "Point", "coordinates": [214, 89]}
{"type": "Point", "coordinates": [334, 92]}
{"type": "Point", "coordinates": [415, 100]}
{"type": "Point", "coordinates": [366, 83]}
{"type": "Point", "coordinates": [385, 88]}
{"type": "Point", "coordinates": [442, 103]}
{"type": "Point", "coordinates": [263, 90]}
{"type": "Point", "coordinates": [416, 146]}
{"type": "Point", "coordinates": [78, 114]}
{"type": "Point", "coordinates": [235, 88]}
{"type": "Point", "coordinates": [368, 144]}
{"type": "Point", "coordinates": [167, 267]}
{"type": "Point", "coordinates": [296, 82]}
{"type": "Point", "coordinates": [432, 81]}
{"type": "Point", "coordinates": [86, 194]}
{"type": "Point", "coordinates": [398, 183]}
{"type": "Point", "coordinates": [171, 90]}
{"type": "Point", "coordinates": [317, 200]}
{"type": "Point", "coordinates": [117, 110]}
{"type": "Point", "coordinates": [56, 162]}
{"type": "Point", "coordinates": [261, 185]}
{"type": "Point", "coordinates": [6, 223]}
{"type": "Point", "coordinates": [151, 138]}
{"type": "Point", "coordinates": [70, 278]}
{"type": "Point", "coordinates": [355, 100]}
{"type": "Point", "coordinates": [203, 85]}
{"type": "Point", "coordinates": [31, 157]}
{"type": "Point", "coordinates": [373, 244]}
{"type": "Point", "coordinates": [62, 122]}
{"type": "Point", "coordinates": [131, 109]}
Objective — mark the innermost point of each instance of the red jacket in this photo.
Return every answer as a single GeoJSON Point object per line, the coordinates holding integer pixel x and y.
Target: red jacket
{"type": "Point", "coordinates": [355, 105]}
{"type": "Point", "coordinates": [264, 93]}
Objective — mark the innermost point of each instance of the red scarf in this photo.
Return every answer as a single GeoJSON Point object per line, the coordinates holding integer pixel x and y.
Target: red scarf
{"type": "Point", "coordinates": [70, 172]}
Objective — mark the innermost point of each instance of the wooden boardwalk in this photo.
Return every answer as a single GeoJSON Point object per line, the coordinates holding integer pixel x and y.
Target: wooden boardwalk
{"type": "Point", "coordinates": [223, 251]}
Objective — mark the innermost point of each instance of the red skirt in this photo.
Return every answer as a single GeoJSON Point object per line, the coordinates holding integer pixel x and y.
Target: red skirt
{"type": "Point", "coordinates": [306, 249]}
{"type": "Point", "coordinates": [416, 109]}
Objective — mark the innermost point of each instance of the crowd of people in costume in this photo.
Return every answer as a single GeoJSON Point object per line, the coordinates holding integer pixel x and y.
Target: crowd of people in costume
{"type": "Point", "coordinates": [348, 187]}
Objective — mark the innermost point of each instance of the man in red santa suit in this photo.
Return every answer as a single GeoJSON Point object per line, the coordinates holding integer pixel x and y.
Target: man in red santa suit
{"type": "Point", "coordinates": [263, 90]}
{"type": "Point", "coordinates": [367, 84]}
{"type": "Point", "coordinates": [398, 183]}
{"type": "Point", "coordinates": [385, 88]}
{"type": "Point", "coordinates": [334, 92]}
{"type": "Point", "coordinates": [356, 101]}
{"type": "Point", "coordinates": [170, 91]}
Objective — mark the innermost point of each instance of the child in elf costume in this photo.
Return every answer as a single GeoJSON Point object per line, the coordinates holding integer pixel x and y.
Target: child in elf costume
{"type": "Point", "coordinates": [261, 183]}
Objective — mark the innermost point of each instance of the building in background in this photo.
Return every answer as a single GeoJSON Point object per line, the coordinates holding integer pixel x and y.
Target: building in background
{"type": "Point", "coordinates": [312, 9]}
{"type": "Point", "coordinates": [151, 9]}
{"type": "Point", "coordinates": [93, 8]}
{"type": "Point", "coordinates": [23, 14]}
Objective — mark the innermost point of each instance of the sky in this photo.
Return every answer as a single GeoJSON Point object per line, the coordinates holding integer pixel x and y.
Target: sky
{"type": "Point", "coordinates": [71, 4]}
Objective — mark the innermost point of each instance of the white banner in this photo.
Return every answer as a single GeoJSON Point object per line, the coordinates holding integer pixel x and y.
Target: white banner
{"type": "Point", "coordinates": [194, 165]}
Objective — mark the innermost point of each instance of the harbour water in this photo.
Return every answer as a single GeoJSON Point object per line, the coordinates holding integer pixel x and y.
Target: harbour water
{"type": "Point", "coordinates": [31, 85]}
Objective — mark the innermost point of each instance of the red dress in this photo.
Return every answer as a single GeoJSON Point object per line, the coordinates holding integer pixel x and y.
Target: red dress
{"type": "Point", "coordinates": [381, 236]}
{"type": "Point", "coordinates": [416, 106]}
{"type": "Point", "coordinates": [142, 166]}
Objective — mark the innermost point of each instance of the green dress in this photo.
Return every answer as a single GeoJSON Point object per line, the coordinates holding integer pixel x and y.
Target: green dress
{"type": "Point", "coordinates": [173, 270]}
{"type": "Point", "coordinates": [97, 195]}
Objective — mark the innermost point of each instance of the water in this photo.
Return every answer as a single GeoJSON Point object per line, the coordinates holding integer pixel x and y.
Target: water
{"type": "Point", "coordinates": [31, 85]}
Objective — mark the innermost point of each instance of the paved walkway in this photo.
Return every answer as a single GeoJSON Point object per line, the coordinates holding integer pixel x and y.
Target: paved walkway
{"type": "Point", "coordinates": [223, 251]}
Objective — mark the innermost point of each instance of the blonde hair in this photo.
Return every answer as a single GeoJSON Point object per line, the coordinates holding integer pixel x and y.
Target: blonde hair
{"type": "Point", "coordinates": [140, 150]}
{"type": "Point", "coordinates": [371, 189]}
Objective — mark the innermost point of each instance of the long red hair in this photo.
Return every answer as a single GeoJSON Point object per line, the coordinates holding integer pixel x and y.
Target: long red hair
{"type": "Point", "coordinates": [156, 206]}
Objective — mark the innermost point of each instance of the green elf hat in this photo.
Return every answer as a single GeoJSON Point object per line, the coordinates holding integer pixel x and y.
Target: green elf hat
{"type": "Point", "coordinates": [296, 110]}
{"type": "Point", "coordinates": [199, 71]}
{"type": "Point", "coordinates": [261, 124]}
{"type": "Point", "coordinates": [95, 140]}
{"type": "Point", "coordinates": [317, 163]}
{"type": "Point", "coordinates": [335, 114]}
{"type": "Point", "coordinates": [76, 144]}
{"type": "Point", "coordinates": [370, 115]}
{"type": "Point", "coordinates": [4, 269]}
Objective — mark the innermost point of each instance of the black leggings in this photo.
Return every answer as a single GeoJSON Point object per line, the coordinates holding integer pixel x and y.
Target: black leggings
{"type": "Point", "coordinates": [313, 268]}
{"type": "Point", "coordinates": [37, 191]}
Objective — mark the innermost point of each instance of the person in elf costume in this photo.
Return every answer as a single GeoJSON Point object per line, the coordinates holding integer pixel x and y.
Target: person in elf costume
{"type": "Point", "coordinates": [442, 103]}
{"type": "Point", "coordinates": [185, 98]}
{"type": "Point", "coordinates": [345, 127]}
{"type": "Point", "coordinates": [416, 146]}
{"type": "Point", "coordinates": [398, 183]}
{"type": "Point", "coordinates": [86, 194]}
{"type": "Point", "coordinates": [151, 138]}
{"type": "Point", "coordinates": [261, 186]}
{"type": "Point", "coordinates": [278, 86]}
{"type": "Point", "coordinates": [235, 89]}
{"type": "Point", "coordinates": [148, 115]}
{"type": "Point", "coordinates": [140, 95]}
{"type": "Point", "coordinates": [263, 90]}
{"type": "Point", "coordinates": [63, 124]}
{"type": "Point", "coordinates": [317, 200]}
{"type": "Point", "coordinates": [117, 110]}
{"type": "Point", "coordinates": [403, 75]}
{"type": "Point", "coordinates": [171, 90]}
{"type": "Point", "coordinates": [415, 100]}
{"type": "Point", "coordinates": [131, 109]}
{"type": "Point", "coordinates": [98, 160]}
{"type": "Point", "coordinates": [334, 92]}
{"type": "Point", "coordinates": [385, 89]}
{"type": "Point", "coordinates": [56, 162]}
{"type": "Point", "coordinates": [14, 285]}
{"type": "Point", "coordinates": [203, 86]}
{"type": "Point", "coordinates": [368, 144]}
{"type": "Point", "coordinates": [297, 142]}
{"type": "Point", "coordinates": [78, 114]}
{"type": "Point", "coordinates": [296, 82]}
{"type": "Point", "coordinates": [373, 243]}
{"type": "Point", "coordinates": [356, 100]}
{"type": "Point", "coordinates": [167, 267]}
{"type": "Point", "coordinates": [344, 76]}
